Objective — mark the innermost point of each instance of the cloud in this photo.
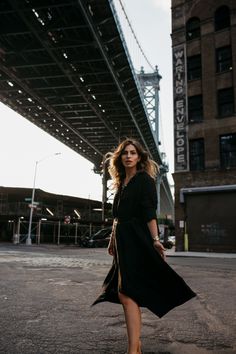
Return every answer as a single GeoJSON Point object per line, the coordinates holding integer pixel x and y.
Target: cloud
{"type": "Point", "coordinates": [162, 4]}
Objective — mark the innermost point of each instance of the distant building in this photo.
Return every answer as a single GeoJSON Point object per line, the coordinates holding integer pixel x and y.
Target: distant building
{"type": "Point", "coordinates": [56, 218]}
{"type": "Point", "coordinates": [204, 74]}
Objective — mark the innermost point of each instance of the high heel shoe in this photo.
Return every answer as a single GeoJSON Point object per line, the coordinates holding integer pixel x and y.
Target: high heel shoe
{"type": "Point", "coordinates": [140, 347]}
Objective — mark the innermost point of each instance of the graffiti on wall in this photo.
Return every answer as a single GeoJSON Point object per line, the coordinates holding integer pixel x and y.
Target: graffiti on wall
{"type": "Point", "coordinates": [212, 232]}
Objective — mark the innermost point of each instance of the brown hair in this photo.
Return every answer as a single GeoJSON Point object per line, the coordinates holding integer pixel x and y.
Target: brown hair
{"type": "Point", "coordinates": [116, 168]}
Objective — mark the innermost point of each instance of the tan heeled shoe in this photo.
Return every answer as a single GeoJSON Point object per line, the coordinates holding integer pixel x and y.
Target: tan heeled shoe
{"type": "Point", "coordinates": [140, 347]}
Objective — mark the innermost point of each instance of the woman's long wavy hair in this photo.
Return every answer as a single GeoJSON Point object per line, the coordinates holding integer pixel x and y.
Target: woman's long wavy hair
{"type": "Point", "coordinates": [116, 168]}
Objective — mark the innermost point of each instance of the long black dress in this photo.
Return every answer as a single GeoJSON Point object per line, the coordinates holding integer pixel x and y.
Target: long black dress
{"type": "Point", "coordinates": [138, 270]}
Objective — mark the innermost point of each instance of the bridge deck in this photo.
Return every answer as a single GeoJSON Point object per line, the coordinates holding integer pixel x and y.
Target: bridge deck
{"type": "Point", "coordinates": [64, 67]}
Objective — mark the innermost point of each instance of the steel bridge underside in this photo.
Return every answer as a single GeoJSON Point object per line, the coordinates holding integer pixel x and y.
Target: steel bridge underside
{"type": "Point", "coordinates": [64, 66]}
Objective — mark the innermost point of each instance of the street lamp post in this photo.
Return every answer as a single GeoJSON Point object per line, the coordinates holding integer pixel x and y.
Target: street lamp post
{"type": "Point", "coordinates": [32, 204]}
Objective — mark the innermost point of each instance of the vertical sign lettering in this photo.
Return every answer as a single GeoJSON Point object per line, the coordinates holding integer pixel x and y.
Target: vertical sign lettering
{"type": "Point", "coordinates": [180, 108]}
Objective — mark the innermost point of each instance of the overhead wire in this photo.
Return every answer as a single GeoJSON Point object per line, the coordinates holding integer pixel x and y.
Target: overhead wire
{"type": "Point", "coordinates": [135, 37]}
{"type": "Point", "coordinates": [150, 65]}
{"type": "Point", "coordinates": [138, 46]}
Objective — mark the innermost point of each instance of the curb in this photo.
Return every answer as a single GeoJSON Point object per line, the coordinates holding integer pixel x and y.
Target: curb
{"type": "Point", "coordinates": [202, 255]}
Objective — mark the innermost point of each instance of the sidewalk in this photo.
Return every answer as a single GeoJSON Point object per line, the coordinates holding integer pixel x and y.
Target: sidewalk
{"type": "Point", "coordinates": [173, 253]}
{"type": "Point", "coordinates": [50, 247]}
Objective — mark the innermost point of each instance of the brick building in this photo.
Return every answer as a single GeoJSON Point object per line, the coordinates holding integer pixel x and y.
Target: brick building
{"type": "Point", "coordinates": [56, 218]}
{"type": "Point", "coordinates": [204, 75]}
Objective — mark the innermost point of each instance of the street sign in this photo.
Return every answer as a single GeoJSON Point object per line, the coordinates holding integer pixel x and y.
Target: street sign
{"type": "Point", "coordinates": [32, 205]}
{"type": "Point", "coordinates": [67, 219]}
{"type": "Point", "coordinates": [28, 199]}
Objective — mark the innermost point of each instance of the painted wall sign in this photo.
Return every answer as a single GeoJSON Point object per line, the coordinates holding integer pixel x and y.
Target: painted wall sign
{"type": "Point", "coordinates": [180, 108]}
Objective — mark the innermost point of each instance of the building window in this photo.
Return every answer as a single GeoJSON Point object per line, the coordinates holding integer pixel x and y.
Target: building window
{"type": "Point", "coordinates": [195, 109]}
{"type": "Point", "coordinates": [226, 102]}
{"type": "Point", "coordinates": [223, 59]}
{"type": "Point", "coordinates": [194, 67]}
{"type": "Point", "coordinates": [196, 155]}
{"type": "Point", "coordinates": [222, 18]}
{"type": "Point", "coordinates": [228, 150]}
{"type": "Point", "coordinates": [193, 28]}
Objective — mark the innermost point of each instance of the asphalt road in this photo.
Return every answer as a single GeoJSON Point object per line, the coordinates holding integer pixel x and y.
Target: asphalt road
{"type": "Point", "coordinates": [46, 293]}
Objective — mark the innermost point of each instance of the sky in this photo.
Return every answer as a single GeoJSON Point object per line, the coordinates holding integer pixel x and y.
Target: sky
{"type": "Point", "coordinates": [22, 143]}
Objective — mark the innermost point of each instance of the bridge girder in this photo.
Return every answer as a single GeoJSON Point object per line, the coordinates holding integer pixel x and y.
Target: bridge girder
{"type": "Point", "coordinates": [59, 56]}
{"type": "Point", "coordinates": [65, 67]}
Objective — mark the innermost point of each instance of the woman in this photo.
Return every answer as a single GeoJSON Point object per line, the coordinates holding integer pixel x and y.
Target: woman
{"type": "Point", "coordinates": [139, 276]}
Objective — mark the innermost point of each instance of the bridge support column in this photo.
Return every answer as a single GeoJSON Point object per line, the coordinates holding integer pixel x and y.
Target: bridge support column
{"type": "Point", "coordinates": [59, 232]}
{"type": "Point", "coordinates": [39, 232]}
{"type": "Point", "coordinates": [163, 169]}
{"type": "Point", "coordinates": [104, 188]}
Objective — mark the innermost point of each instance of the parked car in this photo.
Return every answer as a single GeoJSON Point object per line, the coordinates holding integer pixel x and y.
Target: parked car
{"type": "Point", "coordinates": [101, 238]}
{"type": "Point", "coordinates": [172, 238]}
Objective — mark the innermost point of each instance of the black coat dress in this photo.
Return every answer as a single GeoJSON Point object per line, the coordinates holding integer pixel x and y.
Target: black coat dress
{"type": "Point", "coordinates": [138, 270]}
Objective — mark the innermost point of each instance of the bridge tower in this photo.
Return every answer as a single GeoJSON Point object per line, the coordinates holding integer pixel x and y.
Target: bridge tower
{"type": "Point", "coordinates": [150, 85]}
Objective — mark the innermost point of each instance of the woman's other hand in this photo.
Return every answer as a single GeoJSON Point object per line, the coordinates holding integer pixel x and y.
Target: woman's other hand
{"type": "Point", "coordinates": [110, 248]}
{"type": "Point", "coordinates": [160, 249]}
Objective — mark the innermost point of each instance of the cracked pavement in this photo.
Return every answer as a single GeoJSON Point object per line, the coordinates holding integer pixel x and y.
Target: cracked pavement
{"type": "Point", "coordinates": [46, 294]}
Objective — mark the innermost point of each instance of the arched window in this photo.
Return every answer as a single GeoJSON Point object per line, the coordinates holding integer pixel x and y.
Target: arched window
{"type": "Point", "coordinates": [193, 28]}
{"type": "Point", "coordinates": [222, 18]}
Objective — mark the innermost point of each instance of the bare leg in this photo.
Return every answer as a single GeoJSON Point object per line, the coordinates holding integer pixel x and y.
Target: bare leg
{"type": "Point", "coordinates": [133, 323]}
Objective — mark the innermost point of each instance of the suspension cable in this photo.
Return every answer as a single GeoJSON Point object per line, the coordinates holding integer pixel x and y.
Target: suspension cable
{"type": "Point", "coordinates": [135, 37]}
